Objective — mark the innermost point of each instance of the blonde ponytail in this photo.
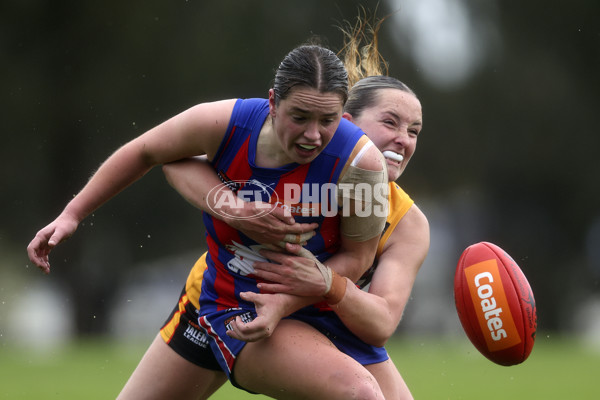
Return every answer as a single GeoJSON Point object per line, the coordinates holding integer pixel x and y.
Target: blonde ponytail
{"type": "Point", "coordinates": [360, 52]}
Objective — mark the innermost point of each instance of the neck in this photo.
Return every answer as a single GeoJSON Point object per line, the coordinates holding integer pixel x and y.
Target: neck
{"type": "Point", "coordinates": [270, 154]}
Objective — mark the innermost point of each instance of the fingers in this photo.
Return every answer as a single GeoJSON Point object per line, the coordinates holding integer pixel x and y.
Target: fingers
{"type": "Point", "coordinates": [273, 277]}
{"type": "Point", "coordinates": [42, 244]}
{"type": "Point", "coordinates": [277, 273]}
{"type": "Point", "coordinates": [248, 332]}
{"type": "Point", "coordinates": [298, 237]}
{"type": "Point", "coordinates": [238, 332]}
{"type": "Point", "coordinates": [55, 239]}
{"type": "Point", "coordinates": [276, 256]}
{"type": "Point", "coordinates": [293, 248]}
{"type": "Point", "coordinates": [250, 296]}
{"type": "Point", "coordinates": [286, 217]}
{"type": "Point", "coordinates": [302, 252]}
{"type": "Point", "coordinates": [274, 287]}
{"type": "Point", "coordinates": [38, 251]}
{"type": "Point", "coordinates": [283, 214]}
{"type": "Point", "coordinates": [266, 275]}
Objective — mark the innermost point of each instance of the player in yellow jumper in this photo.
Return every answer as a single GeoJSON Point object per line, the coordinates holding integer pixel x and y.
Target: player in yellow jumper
{"type": "Point", "coordinates": [179, 364]}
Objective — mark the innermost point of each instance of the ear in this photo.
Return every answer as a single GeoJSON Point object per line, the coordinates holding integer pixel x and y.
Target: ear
{"type": "Point", "coordinates": [272, 106]}
{"type": "Point", "coordinates": [347, 116]}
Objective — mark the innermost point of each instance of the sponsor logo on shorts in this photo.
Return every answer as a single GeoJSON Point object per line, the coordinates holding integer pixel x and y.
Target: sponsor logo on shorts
{"type": "Point", "coordinates": [196, 336]}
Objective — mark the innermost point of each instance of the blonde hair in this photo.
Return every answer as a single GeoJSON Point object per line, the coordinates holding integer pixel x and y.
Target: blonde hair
{"type": "Point", "coordinates": [367, 69]}
{"type": "Point", "coordinates": [360, 52]}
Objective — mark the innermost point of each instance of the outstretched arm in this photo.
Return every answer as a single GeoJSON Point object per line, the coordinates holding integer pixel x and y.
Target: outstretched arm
{"type": "Point", "coordinates": [198, 130]}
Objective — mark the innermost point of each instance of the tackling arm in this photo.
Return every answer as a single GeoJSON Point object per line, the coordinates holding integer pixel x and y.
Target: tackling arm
{"type": "Point", "coordinates": [374, 315]}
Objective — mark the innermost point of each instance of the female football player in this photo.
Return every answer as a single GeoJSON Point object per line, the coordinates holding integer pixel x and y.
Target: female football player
{"type": "Point", "coordinates": [390, 113]}
{"type": "Point", "coordinates": [303, 140]}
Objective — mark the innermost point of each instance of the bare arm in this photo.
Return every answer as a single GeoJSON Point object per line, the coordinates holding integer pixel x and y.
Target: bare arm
{"type": "Point", "coordinates": [196, 180]}
{"type": "Point", "coordinates": [198, 130]}
{"type": "Point", "coordinates": [373, 316]}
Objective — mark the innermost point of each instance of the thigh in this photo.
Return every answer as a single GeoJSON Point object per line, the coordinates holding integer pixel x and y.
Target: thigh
{"type": "Point", "coordinates": [298, 362]}
{"type": "Point", "coordinates": [164, 374]}
{"type": "Point", "coordinates": [390, 380]}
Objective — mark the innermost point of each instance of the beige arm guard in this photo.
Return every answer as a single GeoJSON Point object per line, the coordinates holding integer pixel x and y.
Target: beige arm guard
{"type": "Point", "coordinates": [369, 190]}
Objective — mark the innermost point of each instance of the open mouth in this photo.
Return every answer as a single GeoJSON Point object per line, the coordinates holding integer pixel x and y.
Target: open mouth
{"type": "Point", "coordinates": [393, 156]}
{"type": "Point", "coordinates": [306, 150]}
{"type": "Point", "coordinates": [307, 147]}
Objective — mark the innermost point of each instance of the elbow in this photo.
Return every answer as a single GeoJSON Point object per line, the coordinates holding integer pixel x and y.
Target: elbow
{"type": "Point", "coordinates": [170, 171]}
{"type": "Point", "coordinates": [166, 169]}
{"type": "Point", "coordinates": [378, 339]}
{"type": "Point", "coordinates": [382, 338]}
{"type": "Point", "coordinates": [380, 334]}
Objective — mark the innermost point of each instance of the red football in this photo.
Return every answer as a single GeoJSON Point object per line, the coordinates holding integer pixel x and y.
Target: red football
{"type": "Point", "coordinates": [495, 304]}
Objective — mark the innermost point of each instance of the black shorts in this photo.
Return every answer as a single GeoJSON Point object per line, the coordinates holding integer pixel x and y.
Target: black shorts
{"type": "Point", "coordinates": [182, 333]}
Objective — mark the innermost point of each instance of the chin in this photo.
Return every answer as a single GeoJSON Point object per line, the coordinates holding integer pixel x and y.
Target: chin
{"type": "Point", "coordinates": [394, 173]}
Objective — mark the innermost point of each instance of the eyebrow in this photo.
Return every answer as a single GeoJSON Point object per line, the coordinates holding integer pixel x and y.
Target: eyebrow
{"type": "Point", "coordinates": [397, 117]}
{"type": "Point", "coordinates": [303, 111]}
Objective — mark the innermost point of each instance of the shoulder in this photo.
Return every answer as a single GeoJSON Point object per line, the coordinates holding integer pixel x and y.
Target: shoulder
{"type": "Point", "coordinates": [247, 111]}
{"type": "Point", "coordinates": [418, 217]}
{"type": "Point", "coordinates": [195, 131]}
{"type": "Point", "coordinates": [413, 226]}
{"type": "Point", "coordinates": [408, 243]}
{"type": "Point", "coordinates": [371, 159]}
{"type": "Point", "coordinates": [208, 116]}
{"type": "Point", "coordinates": [366, 155]}
{"type": "Point", "coordinates": [351, 134]}
{"type": "Point", "coordinates": [220, 107]}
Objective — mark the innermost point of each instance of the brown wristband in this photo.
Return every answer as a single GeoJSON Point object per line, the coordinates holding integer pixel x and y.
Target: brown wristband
{"type": "Point", "coordinates": [337, 291]}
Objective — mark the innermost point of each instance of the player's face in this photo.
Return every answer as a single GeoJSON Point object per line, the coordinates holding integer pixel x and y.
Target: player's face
{"type": "Point", "coordinates": [393, 124]}
{"type": "Point", "coordinates": [305, 122]}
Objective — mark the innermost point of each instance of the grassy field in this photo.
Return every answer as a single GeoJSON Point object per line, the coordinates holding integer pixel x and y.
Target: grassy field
{"type": "Point", "coordinates": [434, 369]}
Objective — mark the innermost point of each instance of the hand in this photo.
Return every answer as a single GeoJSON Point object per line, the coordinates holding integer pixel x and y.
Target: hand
{"type": "Point", "coordinates": [269, 310]}
{"type": "Point", "coordinates": [291, 273]}
{"type": "Point", "coordinates": [274, 225]}
{"type": "Point", "coordinates": [46, 239]}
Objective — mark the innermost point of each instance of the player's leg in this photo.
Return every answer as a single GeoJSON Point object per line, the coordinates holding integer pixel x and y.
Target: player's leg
{"type": "Point", "coordinates": [164, 374]}
{"type": "Point", "coordinates": [298, 362]}
{"type": "Point", "coordinates": [389, 379]}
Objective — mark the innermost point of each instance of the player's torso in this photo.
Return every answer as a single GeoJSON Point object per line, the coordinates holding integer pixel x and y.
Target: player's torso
{"type": "Point", "coordinates": [307, 191]}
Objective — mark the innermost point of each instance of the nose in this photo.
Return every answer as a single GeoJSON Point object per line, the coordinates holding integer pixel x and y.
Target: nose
{"type": "Point", "coordinates": [402, 137]}
{"type": "Point", "coordinates": [312, 131]}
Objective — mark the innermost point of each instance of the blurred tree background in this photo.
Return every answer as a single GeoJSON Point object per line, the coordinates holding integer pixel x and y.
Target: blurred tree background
{"type": "Point", "coordinates": [508, 153]}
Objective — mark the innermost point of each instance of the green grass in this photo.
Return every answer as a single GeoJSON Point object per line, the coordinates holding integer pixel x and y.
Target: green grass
{"type": "Point", "coordinates": [558, 368]}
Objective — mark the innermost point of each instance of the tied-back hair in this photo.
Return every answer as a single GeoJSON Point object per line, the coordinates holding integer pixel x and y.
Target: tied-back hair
{"type": "Point", "coordinates": [367, 69]}
{"type": "Point", "coordinates": [312, 66]}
